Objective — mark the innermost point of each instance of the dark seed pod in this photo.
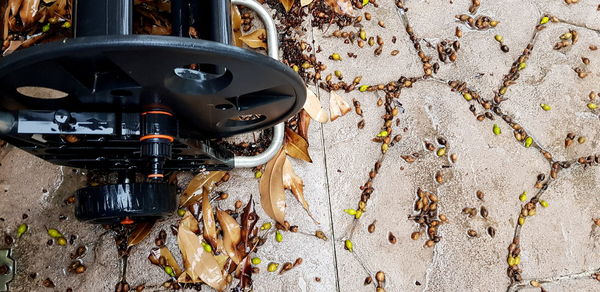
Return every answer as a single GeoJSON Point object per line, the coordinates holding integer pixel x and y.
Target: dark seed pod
{"type": "Point", "coordinates": [392, 238]}
{"type": "Point", "coordinates": [484, 212]}
{"type": "Point", "coordinates": [472, 233]}
{"type": "Point", "coordinates": [491, 231]}
{"type": "Point", "coordinates": [368, 280]}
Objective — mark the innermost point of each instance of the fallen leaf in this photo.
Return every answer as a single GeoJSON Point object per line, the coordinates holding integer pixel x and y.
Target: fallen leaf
{"type": "Point", "coordinates": [337, 106]}
{"type": "Point", "coordinates": [199, 264]}
{"type": "Point", "coordinates": [296, 146]}
{"type": "Point", "coordinates": [140, 233]}
{"type": "Point", "coordinates": [236, 25]}
{"type": "Point", "coordinates": [305, 2]}
{"type": "Point", "coordinates": [166, 253]}
{"type": "Point", "coordinates": [231, 235]}
{"type": "Point", "coordinates": [249, 219]}
{"type": "Point", "coordinates": [208, 219]}
{"type": "Point", "coordinates": [256, 39]}
{"type": "Point", "coordinates": [303, 124]}
{"type": "Point", "coordinates": [28, 11]}
{"type": "Point", "coordinates": [287, 4]}
{"type": "Point", "coordinates": [294, 183]}
{"type": "Point", "coordinates": [313, 107]}
{"type": "Point", "coordinates": [341, 6]}
{"type": "Point", "coordinates": [14, 6]}
{"type": "Point", "coordinates": [201, 182]}
{"type": "Point", "coordinates": [272, 194]}
{"type": "Point", "coordinates": [12, 46]}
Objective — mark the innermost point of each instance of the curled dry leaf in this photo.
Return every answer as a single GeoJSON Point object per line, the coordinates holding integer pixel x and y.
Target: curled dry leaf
{"type": "Point", "coordinates": [200, 183]}
{"type": "Point", "coordinates": [231, 235]}
{"type": "Point", "coordinates": [244, 269]}
{"type": "Point", "coordinates": [305, 2]}
{"type": "Point", "coordinates": [256, 39]}
{"type": "Point", "coordinates": [296, 146]}
{"type": "Point", "coordinates": [249, 219]}
{"type": "Point", "coordinates": [236, 25]}
{"type": "Point", "coordinates": [140, 233]}
{"type": "Point", "coordinates": [338, 106]}
{"type": "Point", "coordinates": [29, 11]}
{"type": "Point", "coordinates": [341, 6]}
{"type": "Point", "coordinates": [199, 264]}
{"type": "Point", "coordinates": [208, 219]}
{"type": "Point", "coordinates": [14, 5]}
{"type": "Point", "coordinates": [313, 107]}
{"type": "Point", "coordinates": [303, 124]}
{"type": "Point", "coordinates": [272, 194]}
{"type": "Point", "coordinates": [287, 4]}
{"type": "Point", "coordinates": [294, 183]}
{"type": "Point", "coordinates": [166, 253]}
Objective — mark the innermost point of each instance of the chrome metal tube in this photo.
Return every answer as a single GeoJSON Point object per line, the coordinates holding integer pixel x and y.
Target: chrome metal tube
{"type": "Point", "coordinates": [273, 51]}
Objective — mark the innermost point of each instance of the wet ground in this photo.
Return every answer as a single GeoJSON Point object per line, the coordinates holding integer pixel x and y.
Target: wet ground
{"type": "Point", "coordinates": [557, 247]}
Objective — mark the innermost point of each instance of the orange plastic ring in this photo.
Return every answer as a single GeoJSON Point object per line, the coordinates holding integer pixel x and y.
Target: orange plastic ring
{"type": "Point", "coordinates": [156, 175]}
{"type": "Point", "coordinates": [158, 113]}
{"type": "Point", "coordinates": [157, 136]}
{"type": "Point", "coordinates": [127, 221]}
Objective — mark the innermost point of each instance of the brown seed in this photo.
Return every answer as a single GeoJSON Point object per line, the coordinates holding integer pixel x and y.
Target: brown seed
{"type": "Point", "coordinates": [320, 234]}
{"type": "Point", "coordinates": [380, 276]}
{"type": "Point", "coordinates": [472, 233]}
{"type": "Point", "coordinates": [238, 204]}
{"type": "Point", "coordinates": [415, 235]}
{"type": "Point", "coordinates": [368, 280]}
{"type": "Point", "coordinates": [585, 60]}
{"type": "Point", "coordinates": [286, 267]}
{"type": "Point", "coordinates": [367, 16]}
{"type": "Point", "coordinates": [597, 221]}
{"type": "Point", "coordinates": [361, 124]}
{"type": "Point", "coordinates": [491, 231]}
{"type": "Point", "coordinates": [429, 243]}
{"type": "Point", "coordinates": [593, 47]}
{"type": "Point", "coordinates": [439, 178]}
{"type": "Point", "coordinates": [80, 269]}
{"type": "Point", "coordinates": [480, 195]}
{"type": "Point", "coordinates": [223, 196]}
{"type": "Point", "coordinates": [294, 228]}
{"type": "Point", "coordinates": [458, 32]}
{"type": "Point", "coordinates": [453, 157]}
{"type": "Point", "coordinates": [392, 238]}
{"type": "Point", "coordinates": [581, 140]}
{"type": "Point", "coordinates": [484, 212]}
{"type": "Point", "coordinates": [298, 262]}
{"type": "Point", "coordinates": [48, 283]}
{"type": "Point", "coordinates": [371, 227]}
{"type": "Point", "coordinates": [504, 48]}
{"type": "Point", "coordinates": [317, 279]}
{"type": "Point", "coordinates": [395, 52]}
{"type": "Point", "coordinates": [381, 23]}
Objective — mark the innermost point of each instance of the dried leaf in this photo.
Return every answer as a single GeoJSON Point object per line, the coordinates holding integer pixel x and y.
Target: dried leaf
{"type": "Point", "coordinates": [236, 25]}
{"type": "Point", "coordinates": [140, 233]}
{"type": "Point", "coordinates": [256, 39]}
{"type": "Point", "coordinates": [208, 219]}
{"type": "Point", "coordinates": [341, 6]}
{"type": "Point", "coordinates": [287, 4]}
{"type": "Point", "coordinates": [231, 235]}
{"type": "Point", "coordinates": [303, 124]}
{"type": "Point", "coordinates": [313, 107]}
{"type": "Point", "coordinates": [199, 264]}
{"type": "Point", "coordinates": [12, 46]}
{"type": "Point", "coordinates": [294, 183]}
{"type": "Point", "coordinates": [28, 11]}
{"type": "Point", "coordinates": [14, 5]}
{"type": "Point", "coordinates": [166, 253]}
{"type": "Point", "coordinates": [338, 106]}
{"type": "Point", "coordinates": [249, 219]}
{"type": "Point", "coordinates": [272, 195]}
{"type": "Point", "coordinates": [199, 183]}
{"type": "Point", "coordinates": [305, 2]}
{"type": "Point", "coordinates": [296, 146]}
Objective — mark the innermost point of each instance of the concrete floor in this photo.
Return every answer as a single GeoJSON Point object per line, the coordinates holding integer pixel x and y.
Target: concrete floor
{"type": "Point", "coordinates": [561, 240]}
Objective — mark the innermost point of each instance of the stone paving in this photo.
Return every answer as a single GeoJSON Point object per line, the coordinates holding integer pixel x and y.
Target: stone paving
{"type": "Point", "coordinates": [558, 247]}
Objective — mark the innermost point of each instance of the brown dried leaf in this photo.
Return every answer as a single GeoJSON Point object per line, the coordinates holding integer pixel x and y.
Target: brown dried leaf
{"type": "Point", "coordinates": [199, 264]}
{"type": "Point", "coordinates": [236, 25]}
{"type": "Point", "coordinates": [294, 183]}
{"type": "Point", "coordinates": [208, 219]}
{"type": "Point", "coordinates": [256, 39]}
{"type": "Point", "coordinates": [199, 183]}
{"type": "Point", "coordinates": [305, 2]}
{"type": "Point", "coordinates": [287, 4]}
{"type": "Point", "coordinates": [28, 11]}
{"type": "Point", "coordinates": [140, 233]}
{"type": "Point", "coordinates": [338, 106]}
{"type": "Point", "coordinates": [166, 253]}
{"type": "Point", "coordinates": [272, 194]}
{"type": "Point", "coordinates": [249, 219]}
{"type": "Point", "coordinates": [303, 124]}
{"type": "Point", "coordinates": [14, 5]}
{"type": "Point", "coordinates": [341, 6]}
{"type": "Point", "coordinates": [296, 146]}
{"type": "Point", "coordinates": [231, 235]}
{"type": "Point", "coordinates": [313, 107]}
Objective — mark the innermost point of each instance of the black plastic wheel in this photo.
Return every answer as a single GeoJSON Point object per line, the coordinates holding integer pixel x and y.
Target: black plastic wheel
{"type": "Point", "coordinates": [229, 91]}
{"type": "Point", "coordinates": [110, 204]}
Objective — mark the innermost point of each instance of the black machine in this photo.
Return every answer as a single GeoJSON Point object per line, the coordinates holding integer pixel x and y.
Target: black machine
{"type": "Point", "coordinates": [111, 100]}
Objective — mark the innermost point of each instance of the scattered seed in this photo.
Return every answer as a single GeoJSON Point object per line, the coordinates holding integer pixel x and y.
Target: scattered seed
{"type": "Point", "coordinates": [472, 233]}
{"type": "Point", "coordinates": [392, 238]}
{"type": "Point", "coordinates": [381, 23]}
{"type": "Point", "coordinates": [278, 236]}
{"type": "Point", "coordinates": [320, 234]}
{"type": "Point", "coordinates": [441, 151]}
{"type": "Point", "coordinates": [545, 107]}
{"type": "Point", "coordinates": [498, 38]}
{"type": "Point", "coordinates": [415, 235]}
{"type": "Point", "coordinates": [504, 48]}
{"type": "Point", "coordinates": [272, 267]}
{"type": "Point", "coordinates": [348, 245]}
{"type": "Point", "coordinates": [484, 212]}
{"type": "Point", "coordinates": [480, 195]}
{"type": "Point", "coordinates": [380, 276]}
{"type": "Point", "coordinates": [491, 231]}
{"type": "Point", "coordinates": [21, 230]}
{"type": "Point", "coordinates": [544, 203]}
{"type": "Point", "coordinates": [371, 227]}
{"type": "Point", "coordinates": [523, 197]}
{"type": "Point", "coordinates": [335, 57]}
{"type": "Point", "coordinates": [496, 129]}
{"type": "Point", "coordinates": [368, 280]}
{"type": "Point", "coordinates": [581, 140]}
